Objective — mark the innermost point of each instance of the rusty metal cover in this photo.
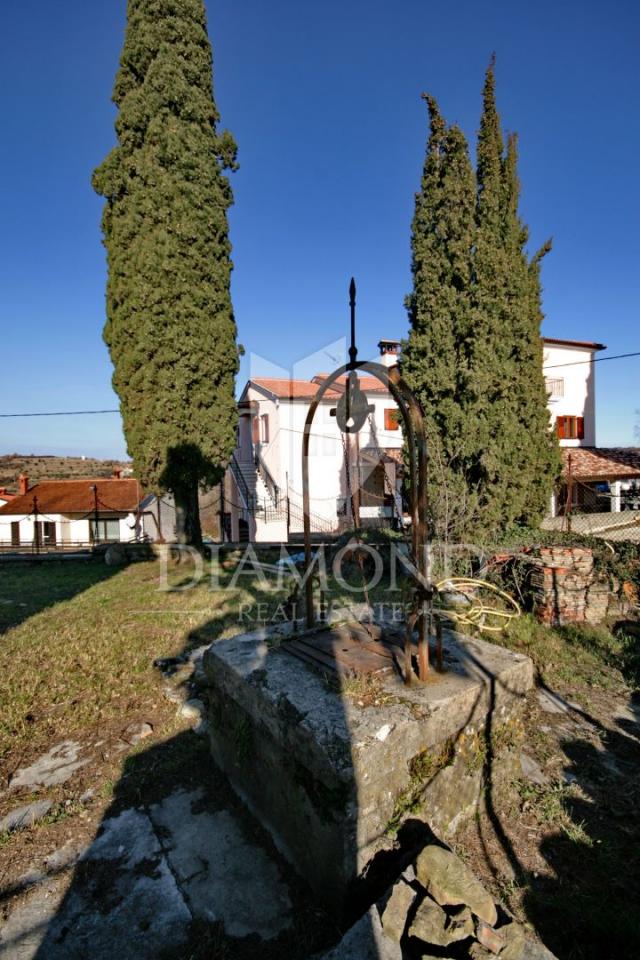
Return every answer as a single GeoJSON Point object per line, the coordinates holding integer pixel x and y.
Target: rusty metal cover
{"type": "Point", "coordinates": [352, 647]}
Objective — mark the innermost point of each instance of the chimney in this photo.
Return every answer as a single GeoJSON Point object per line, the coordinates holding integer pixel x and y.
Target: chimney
{"type": "Point", "coordinates": [117, 473]}
{"type": "Point", "coordinates": [389, 352]}
{"type": "Point", "coordinates": [23, 484]}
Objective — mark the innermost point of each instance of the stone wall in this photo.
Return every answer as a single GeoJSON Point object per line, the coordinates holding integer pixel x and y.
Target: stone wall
{"type": "Point", "coordinates": [566, 587]}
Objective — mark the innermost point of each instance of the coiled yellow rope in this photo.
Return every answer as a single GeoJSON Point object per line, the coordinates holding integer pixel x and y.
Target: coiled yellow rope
{"type": "Point", "coordinates": [476, 614]}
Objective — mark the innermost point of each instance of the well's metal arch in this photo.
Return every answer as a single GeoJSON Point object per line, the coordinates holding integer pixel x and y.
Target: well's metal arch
{"type": "Point", "coordinates": [350, 422]}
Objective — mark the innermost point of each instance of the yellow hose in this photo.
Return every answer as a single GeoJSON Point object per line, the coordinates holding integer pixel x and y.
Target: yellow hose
{"type": "Point", "coordinates": [473, 615]}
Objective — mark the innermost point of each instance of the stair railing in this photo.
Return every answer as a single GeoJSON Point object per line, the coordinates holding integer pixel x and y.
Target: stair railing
{"type": "Point", "coordinates": [241, 484]}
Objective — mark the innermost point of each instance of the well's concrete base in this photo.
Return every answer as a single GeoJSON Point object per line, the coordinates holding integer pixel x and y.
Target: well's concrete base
{"type": "Point", "coordinates": [332, 779]}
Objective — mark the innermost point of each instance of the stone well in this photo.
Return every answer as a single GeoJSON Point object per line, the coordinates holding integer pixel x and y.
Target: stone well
{"type": "Point", "coordinates": [333, 775]}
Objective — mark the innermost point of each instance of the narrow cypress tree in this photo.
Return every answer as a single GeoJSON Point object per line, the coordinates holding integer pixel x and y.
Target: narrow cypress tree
{"type": "Point", "coordinates": [434, 357]}
{"type": "Point", "coordinates": [491, 356]}
{"type": "Point", "coordinates": [516, 457]}
{"type": "Point", "coordinates": [535, 454]}
{"type": "Point", "coordinates": [170, 327]}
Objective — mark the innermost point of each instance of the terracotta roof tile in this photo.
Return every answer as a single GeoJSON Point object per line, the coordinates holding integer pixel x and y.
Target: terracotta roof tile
{"type": "Point", "coordinates": [602, 463]}
{"type": "Point", "coordinates": [307, 389]}
{"type": "Point", "coordinates": [77, 496]}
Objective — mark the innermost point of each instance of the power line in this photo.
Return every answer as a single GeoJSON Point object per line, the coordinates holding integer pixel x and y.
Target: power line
{"type": "Point", "coordinates": [577, 363]}
{"type": "Point", "coordinates": [82, 413]}
{"type": "Point", "coordinates": [59, 413]}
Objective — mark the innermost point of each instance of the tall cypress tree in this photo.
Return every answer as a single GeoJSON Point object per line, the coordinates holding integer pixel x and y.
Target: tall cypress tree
{"type": "Point", "coordinates": [170, 327]}
{"type": "Point", "coordinates": [474, 352]}
{"type": "Point", "coordinates": [435, 355]}
{"type": "Point", "coordinates": [516, 457]}
{"type": "Point", "coordinates": [491, 353]}
{"type": "Point", "coordinates": [535, 452]}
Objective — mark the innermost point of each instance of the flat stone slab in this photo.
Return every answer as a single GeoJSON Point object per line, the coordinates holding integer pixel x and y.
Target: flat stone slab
{"type": "Point", "coordinates": [56, 766]}
{"type": "Point", "coordinates": [144, 880]}
{"type": "Point", "coordinates": [222, 875]}
{"type": "Point", "coordinates": [323, 773]}
{"type": "Point", "coordinates": [25, 817]}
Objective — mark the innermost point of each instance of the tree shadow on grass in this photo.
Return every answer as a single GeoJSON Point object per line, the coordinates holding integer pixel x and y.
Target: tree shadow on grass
{"type": "Point", "coordinates": [28, 587]}
{"type": "Point", "coordinates": [570, 863]}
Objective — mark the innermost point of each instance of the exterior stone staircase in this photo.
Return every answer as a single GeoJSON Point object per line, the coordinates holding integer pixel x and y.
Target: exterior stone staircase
{"type": "Point", "coordinates": [267, 505]}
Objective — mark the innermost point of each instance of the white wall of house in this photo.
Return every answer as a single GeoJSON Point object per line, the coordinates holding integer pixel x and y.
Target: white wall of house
{"type": "Point", "coordinates": [70, 529]}
{"type": "Point", "coordinates": [280, 447]}
{"type": "Point", "coordinates": [571, 384]}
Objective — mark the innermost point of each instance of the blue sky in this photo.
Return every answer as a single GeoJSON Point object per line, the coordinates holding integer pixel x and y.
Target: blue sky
{"type": "Point", "coordinates": [324, 101]}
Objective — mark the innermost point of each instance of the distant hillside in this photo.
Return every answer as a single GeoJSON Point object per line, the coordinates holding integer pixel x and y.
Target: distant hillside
{"type": "Point", "coordinates": [55, 468]}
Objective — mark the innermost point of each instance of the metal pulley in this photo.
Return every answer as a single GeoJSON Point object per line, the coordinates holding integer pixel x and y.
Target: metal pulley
{"type": "Point", "coordinates": [353, 408]}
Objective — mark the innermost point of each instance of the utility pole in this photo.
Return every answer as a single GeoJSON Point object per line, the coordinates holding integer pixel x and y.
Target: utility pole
{"type": "Point", "coordinates": [288, 508]}
{"type": "Point", "coordinates": [569, 492]}
{"type": "Point", "coordinates": [36, 530]}
{"type": "Point", "coordinates": [222, 510]}
{"type": "Point", "coordinates": [96, 536]}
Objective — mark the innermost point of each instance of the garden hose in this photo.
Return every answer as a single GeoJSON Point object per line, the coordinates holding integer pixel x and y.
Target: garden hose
{"type": "Point", "coordinates": [475, 614]}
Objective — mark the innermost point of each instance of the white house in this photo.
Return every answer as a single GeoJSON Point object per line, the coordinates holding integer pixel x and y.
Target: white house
{"type": "Point", "coordinates": [266, 500]}
{"type": "Point", "coordinates": [266, 470]}
{"type": "Point", "coordinates": [65, 513]}
{"type": "Point", "coordinates": [597, 478]}
{"type": "Point", "coordinates": [570, 376]}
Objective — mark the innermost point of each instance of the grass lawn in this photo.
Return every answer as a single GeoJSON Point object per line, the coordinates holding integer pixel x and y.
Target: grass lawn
{"type": "Point", "coordinates": [79, 641]}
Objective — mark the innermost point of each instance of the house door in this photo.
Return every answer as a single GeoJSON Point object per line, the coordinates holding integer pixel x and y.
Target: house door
{"type": "Point", "coordinates": [15, 533]}
{"type": "Point", "coordinates": [372, 492]}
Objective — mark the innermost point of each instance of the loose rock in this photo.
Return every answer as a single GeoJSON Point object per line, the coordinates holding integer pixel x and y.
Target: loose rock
{"type": "Point", "coordinates": [366, 940]}
{"type": "Point", "coordinates": [492, 939]}
{"type": "Point", "coordinates": [25, 817]}
{"type": "Point", "coordinates": [532, 771]}
{"type": "Point", "coordinates": [192, 710]}
{"type": "Point", "coordinates": [515, 942]}
{"type": "Point", "coordinates": [394, 916]}
{"type": "Point", "coordinates": [450, 882]}
{"type": "Point", "coordinates": [429, 924]}
{"type": "Point", "coordinates": [56, 766]}
{"type": "Point", "coordinates": [136, 732]}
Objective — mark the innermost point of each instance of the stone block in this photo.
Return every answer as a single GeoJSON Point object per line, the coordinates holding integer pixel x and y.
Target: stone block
{"type": "Point", "coordinates": [316, 769]}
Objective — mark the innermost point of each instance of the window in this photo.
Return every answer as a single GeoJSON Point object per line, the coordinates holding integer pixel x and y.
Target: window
{"type": "Point", "coordinates": [264, 428]}
{"type": "Point", "coordinates": [102, 530]}
{"type": "Point", "coordinates": [555, 386]}
{"type": "Point", "coordinates": [391, 419]}
{"type": "Point", "coordinates": [49, 533]}
{"type": "Point", "coordinates": [570, 428]}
